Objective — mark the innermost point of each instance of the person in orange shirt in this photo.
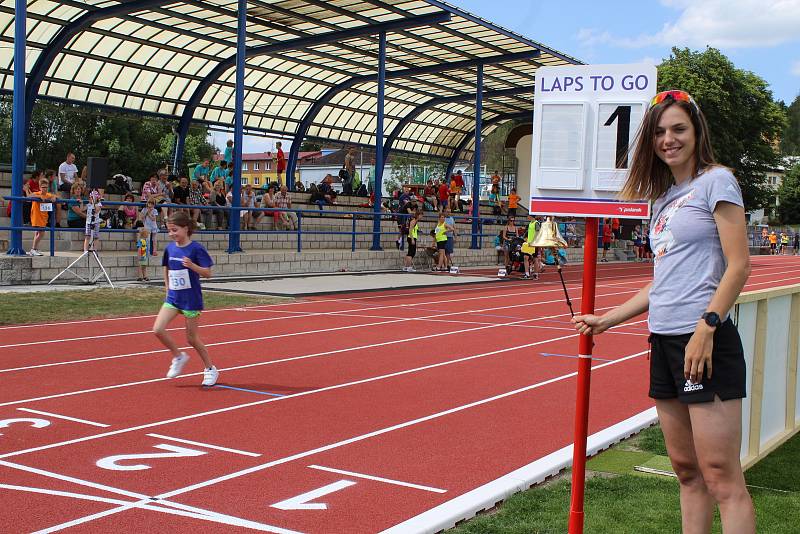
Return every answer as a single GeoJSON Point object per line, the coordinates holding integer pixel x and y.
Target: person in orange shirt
{"type": "Point", "coordinates": [39, 213]}
{"type": "Point", "coordinates": [773, 244]}
{"type": "Point", "coordinates": [513, 202]}
{"type": "Point", "coordinates": [455, 196]}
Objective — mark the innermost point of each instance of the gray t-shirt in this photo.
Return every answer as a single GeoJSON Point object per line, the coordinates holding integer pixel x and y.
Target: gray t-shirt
{"type": "Point", "coordinates": [689, 263]}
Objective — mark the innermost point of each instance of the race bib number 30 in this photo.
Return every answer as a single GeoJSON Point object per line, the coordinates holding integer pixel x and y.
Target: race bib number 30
{"type": "Point", "coordinates": [179, 279]}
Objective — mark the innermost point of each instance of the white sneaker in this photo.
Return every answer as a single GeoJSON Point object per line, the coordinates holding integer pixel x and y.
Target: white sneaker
{"type": "Point", "coordinates": [177, 365]}
{"type": "Point", "coordinates": [35, 252]}
{"type": "Point", "coordinates": [210, 376]}
{"type": "Point", "coordinates": [411, 270]}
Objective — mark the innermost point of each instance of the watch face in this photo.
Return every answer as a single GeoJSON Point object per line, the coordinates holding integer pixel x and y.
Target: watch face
{"type": "Point", "coordinates": [712, 318]}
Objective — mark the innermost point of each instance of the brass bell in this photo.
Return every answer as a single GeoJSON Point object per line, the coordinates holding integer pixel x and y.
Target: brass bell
{"type": "Point", "coordinates": [548, 236]}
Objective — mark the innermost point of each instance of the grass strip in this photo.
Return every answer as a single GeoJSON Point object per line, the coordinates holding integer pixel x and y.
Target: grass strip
{"type": "Point", "coordinates": [49, 306]}
{"type": "Point", "coordinates": [621, 501]}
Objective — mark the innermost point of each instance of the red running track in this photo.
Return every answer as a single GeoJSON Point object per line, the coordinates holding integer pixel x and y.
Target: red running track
{"type": "Point", "coordinates": [345, 413]}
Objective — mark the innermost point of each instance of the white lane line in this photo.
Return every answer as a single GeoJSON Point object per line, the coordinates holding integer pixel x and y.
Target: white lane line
{"type": "Point", "coordinates": [378, 479]}
{"type": "Point", "coordinates": [355, 439]}
{"type": "Point", "coordinates": [388, 429]}
{"type": "Point", "coordinates": [59, 416]}
{"type": "Point", "coordinates": [293, 358]}
{"type": "Point", "coordinates": [206, 445]}
{"type": "Point", "coordinates": [69, 494]}
{"type": "Point", "coordinates": [144, 502]}
{"type": "Point", "coordinates": [300, 333]}
{"type": "Point", "coordinates": [292, 396]}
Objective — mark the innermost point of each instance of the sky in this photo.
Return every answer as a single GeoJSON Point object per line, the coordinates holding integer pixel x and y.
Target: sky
{"type": "Point", "coordinates": [762, 36]}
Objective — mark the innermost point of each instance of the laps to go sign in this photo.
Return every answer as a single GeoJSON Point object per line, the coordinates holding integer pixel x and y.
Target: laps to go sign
{"type": "Point", "coordinates": [585, 120]}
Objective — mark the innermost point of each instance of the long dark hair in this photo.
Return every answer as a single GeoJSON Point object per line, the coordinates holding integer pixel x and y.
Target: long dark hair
{"type": "Point", "coordinates": [649, 176]}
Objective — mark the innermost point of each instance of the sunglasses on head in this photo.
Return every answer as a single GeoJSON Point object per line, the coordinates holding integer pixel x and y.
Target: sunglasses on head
{"type": "Point", "coordinates": [674, 94]}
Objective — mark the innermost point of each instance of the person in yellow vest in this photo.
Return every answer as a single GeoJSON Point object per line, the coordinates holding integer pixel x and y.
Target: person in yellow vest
{"type": "Point", "coordinates": [413, 234]}
{"type": "Point", "coordinates": [529, 252]}
{"type": "Point", "coordinates": [784, 243]}
{"type": "Point", "coordinates": [441, 242]}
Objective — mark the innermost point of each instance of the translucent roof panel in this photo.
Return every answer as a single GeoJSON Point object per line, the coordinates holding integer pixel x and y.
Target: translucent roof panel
{"type": "Point", "coordinates": [308, 61]}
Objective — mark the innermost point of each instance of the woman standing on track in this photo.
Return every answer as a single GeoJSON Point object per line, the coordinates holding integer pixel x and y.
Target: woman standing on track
{"type": "Point", "coordinates": [184, 261]}
{"type": "Point", "coordinates": [701, 264]}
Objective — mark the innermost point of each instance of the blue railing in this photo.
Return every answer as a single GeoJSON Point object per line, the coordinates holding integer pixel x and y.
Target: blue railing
{"type": "Point", "coordinates": [299, 232]}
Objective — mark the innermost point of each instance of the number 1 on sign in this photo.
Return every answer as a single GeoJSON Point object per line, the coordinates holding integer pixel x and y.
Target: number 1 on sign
{"type": "Point", "coordinates": [623, 117]}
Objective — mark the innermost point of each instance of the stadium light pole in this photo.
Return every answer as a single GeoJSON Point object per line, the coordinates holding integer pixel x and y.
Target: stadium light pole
{"type": "Point", "coordinates": [376, 222]}
{"type": "Point", "coordinates": [476, 174]}
{"type": "Point", "coordinates": [234, 243]}
{"type": "Point", "coordinates": [18, 141]}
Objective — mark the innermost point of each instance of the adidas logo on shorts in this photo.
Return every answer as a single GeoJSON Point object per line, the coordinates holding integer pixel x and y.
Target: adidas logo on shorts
{"type": "Point", "coordinates": [690, 386]}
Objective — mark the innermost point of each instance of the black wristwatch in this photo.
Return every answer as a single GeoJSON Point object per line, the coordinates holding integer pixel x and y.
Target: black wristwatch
{"type": "Point", "coordinates": [712, 319]}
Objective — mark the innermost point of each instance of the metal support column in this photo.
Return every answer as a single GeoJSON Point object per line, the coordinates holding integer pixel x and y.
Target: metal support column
{"type": "Point", "coordinates": [180, 145]}
{"type": "Point", "coordinates": [376, 224]}
{"type": "Point", "coordinates": [476, 178]}
{"type": "Point", "coordinates": [18, 150]}
{"type": "Point", "coordinates": [238, 134]}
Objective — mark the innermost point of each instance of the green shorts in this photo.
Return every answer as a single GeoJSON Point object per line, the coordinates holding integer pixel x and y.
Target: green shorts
{"type": "Point", "coordinates": [191, 314]}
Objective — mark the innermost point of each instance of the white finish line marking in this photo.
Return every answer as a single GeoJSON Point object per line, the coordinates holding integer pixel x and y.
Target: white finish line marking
{"type": "Point", "coordinates": [206, 445]}
{"type": "Point", "coordinates": [378, 479]}
{"type": "Point", "coordinates": [65, 417]}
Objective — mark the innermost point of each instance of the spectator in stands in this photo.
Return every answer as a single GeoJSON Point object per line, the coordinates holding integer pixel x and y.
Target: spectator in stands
{"type": "Point", "coordinates": [127, 214]}
{"type": "Point", "coordinates": [228, 157]}
{"type": "Point", "coordinates": [349, 167]}
{"type": "Point", "coordinates": [444, 194]}
{"type": "Point", "coordinates": [39, 213]}
{"type": "Point", "coordinates": [451, 236]}
{"type": "Point", "coordinates": [29, 188]}
{"type": "Point", "coordinates": [508, 233]}
{"type": "Point", "coordinates": [455, 192]}
{"type": "Point", "coordinates": [66, 173]}
{"type": "Point", "coordinates": [219, 199]}
{"type": "Point", "coordinates": [219, 173]}
{"type": "Point", "coordinates": [180, 193]}
{"type": "Point", "coordinates": [150, 188]}
{"type": "Point", "coordinates": [299, 187]}
{"type": "Point", "coordinates": [283, 201]}
{"type": "Point", "coordinates": [494, 201]}
{"type": "Point", "coordinates": [405, 213]}
{"type": "Point", "coordinates": [326, 192]}
{"type": "Point", "coordinates": [149, 217]}
{"type": "Point", "coordinates": [268, 201]}
{"type": "Point", "coordinates": [165, 191]}
{"type": "Point", "coordinates": [413, 234]}
{"type": "Point", "coordinates": [616, 230]}
{"type": "Point", "coordinates": [513, 202]}
{"type": "Point", "coordinates": [498, 247]}
{"type": "Point", "coordinates": [248, 201]}
{"type": "Point", "coordinates": [432, 252]}
{"type": "Point", "coordinates": [636, 237]}
{"type": "Point", "coordinates": [458, 178]}
{"type": "Point", "coordinates": [280, 164]}
{"type": "Point", "coordinates": [429, 194]}
{"type": "Point", "coordinates": [202, 171]}
{"type": "Point", "coordinates": [76, 212]}
{"type": "Point", "coordinates": [608, 237]}
{"type": "Point", "coordinates": [197, 198]}
{"type": "Point", "coordinates": [496, 180]}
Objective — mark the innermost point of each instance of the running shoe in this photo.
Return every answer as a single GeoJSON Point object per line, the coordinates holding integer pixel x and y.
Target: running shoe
{"type": "Point", "coordinates": [411, 270]}
{"type": "Point", "coordinates": [210, 376]}
{"type": "Point", "coordinates": [526, 276]}
{"type": "Point", "coordinates": [35, 252]}
{"type": "Point", "coordinates": [177, 365]}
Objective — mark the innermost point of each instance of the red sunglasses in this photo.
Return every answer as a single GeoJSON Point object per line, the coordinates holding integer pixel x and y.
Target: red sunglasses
{"type": "Point", "coordinates": [674, 94]}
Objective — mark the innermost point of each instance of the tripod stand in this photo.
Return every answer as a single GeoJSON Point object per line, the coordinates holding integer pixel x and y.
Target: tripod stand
{"type": "Point", "coordinates": [91, 225]}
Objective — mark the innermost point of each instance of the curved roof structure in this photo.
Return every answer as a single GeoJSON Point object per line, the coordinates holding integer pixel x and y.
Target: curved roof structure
{"type": "Point", "coordinates": [312, 61]}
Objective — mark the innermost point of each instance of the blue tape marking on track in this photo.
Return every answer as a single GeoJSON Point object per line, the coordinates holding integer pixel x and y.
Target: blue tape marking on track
{"type": "Point", "coordinates": [573, 356]}
{"type": "Point", "coordinates": [251, 391]}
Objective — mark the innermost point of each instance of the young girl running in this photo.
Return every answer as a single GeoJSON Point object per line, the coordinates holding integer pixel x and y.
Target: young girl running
{"type": "Point", "coordinates": [184, 261]}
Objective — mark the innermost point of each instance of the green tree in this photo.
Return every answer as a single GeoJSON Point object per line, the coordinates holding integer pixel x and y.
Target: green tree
{"type": "Point", "coordinates": [789, 197]}
{"type": "Point", "coordinates": [790, 140]}
{"type": "Point", "coordinates": [744, 121]}
{"type": "Point", "coordinates": [409, 168]}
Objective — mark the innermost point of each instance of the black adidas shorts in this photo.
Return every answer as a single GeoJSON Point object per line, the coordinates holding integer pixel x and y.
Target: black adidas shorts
{"type": "Point", "coordinates": [729, 374]}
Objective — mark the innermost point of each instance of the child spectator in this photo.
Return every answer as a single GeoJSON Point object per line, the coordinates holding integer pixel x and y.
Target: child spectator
{"type": "Point", "coordinates": [498, 247]}
{"type": "Point", "coordinates": [408, 260]}
{"type": "Point", "coordinates": [142, 238]}
{"type": "Point", "coordinates": [128, 214]}
{"type": "Point", "coordinates": [248, 201]}
{"type": "Point", "coordinates": [513, 202]}
{"type": "Point", "coordinates": [39, 213]}
{"type": "Point", "coordinates": [431, 251]}
{"type": "Point", "coordinates": [185, 261]}
{"type": "Point", "coordinates": [29, 188]}
{"type": "Point", "coordinates": [228, 157]}
{"type": "Point", "coordinates": [608, 236]}
{"type": "Point", "coordinates": [444, 194]}
{"type": "Point", "coordinates": [150, 219]}
{"type": "Point", "coordinates": [91, 240]}
{"type": "Point", "coordinates": [636, 237]}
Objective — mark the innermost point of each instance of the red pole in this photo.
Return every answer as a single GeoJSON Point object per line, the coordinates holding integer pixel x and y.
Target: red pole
{"type": "Point", "coordinates": [584, 376]}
